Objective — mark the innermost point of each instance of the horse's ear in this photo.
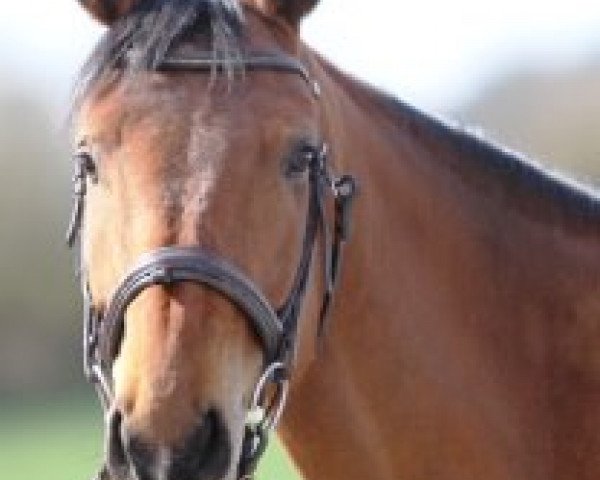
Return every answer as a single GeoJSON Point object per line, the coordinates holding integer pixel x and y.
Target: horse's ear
{"type": "Point", "coordinates": [292, 11]}
{"type": "Point", "coordinates": [107, 11]}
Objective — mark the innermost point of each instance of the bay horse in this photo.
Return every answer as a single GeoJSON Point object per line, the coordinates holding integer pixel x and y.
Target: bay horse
{"type": "Point", "coordinates": [222, 164]}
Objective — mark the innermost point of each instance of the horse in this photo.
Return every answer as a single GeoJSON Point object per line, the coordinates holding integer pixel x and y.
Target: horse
{"type": "Point", "coordinates": [224, 170]}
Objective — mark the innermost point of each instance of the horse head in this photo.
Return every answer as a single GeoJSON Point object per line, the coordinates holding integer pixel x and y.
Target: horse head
{"type": "Point", "coordinates": [206, 253]}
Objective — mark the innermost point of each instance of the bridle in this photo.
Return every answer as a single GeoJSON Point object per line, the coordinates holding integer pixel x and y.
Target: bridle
{"type": "Point", "coordinates": [276, 328]}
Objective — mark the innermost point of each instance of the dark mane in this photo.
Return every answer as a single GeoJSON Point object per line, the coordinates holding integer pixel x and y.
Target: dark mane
{"type": "Point", "coordinates": [498, 165]}
{"type": "Point", "coordinates": [142, 39]}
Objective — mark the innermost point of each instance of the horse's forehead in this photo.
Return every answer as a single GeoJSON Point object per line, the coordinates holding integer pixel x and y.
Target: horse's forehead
{"type": "Point", "coordinates": [144, 100]}
{"type": "Point", "coordinates": [187, 118]}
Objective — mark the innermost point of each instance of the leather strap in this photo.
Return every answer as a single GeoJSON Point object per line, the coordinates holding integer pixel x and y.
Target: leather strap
{"type": "Point", "coordinates": [171, 265]}
{"type": "Point", "coordinates": [256, 61]}
{"type": "Point", "coordinates": [84, 169]}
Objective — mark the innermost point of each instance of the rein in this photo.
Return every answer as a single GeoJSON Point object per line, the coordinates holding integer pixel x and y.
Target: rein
{"type": "Point", "coordinates": [276, 328]}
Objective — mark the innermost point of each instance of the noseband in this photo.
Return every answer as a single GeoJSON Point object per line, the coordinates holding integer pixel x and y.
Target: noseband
{"type": "Point", "coordinates": [276, 328]}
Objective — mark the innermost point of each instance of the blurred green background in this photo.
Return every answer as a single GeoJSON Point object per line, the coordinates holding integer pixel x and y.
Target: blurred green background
{"type": "Point", "coordinates": [50, 424]}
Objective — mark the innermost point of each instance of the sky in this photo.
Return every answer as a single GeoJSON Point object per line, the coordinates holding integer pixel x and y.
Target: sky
{"type": "Point", "coordinates": [434, 54]}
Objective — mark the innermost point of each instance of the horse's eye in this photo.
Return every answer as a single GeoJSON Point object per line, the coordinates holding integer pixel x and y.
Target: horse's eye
{"type": "Point", "coordinates": [300, 160]}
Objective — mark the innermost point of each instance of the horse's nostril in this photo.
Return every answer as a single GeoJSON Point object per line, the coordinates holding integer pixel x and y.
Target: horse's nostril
{"type": "Point", "coordinates": [203, 435]}
{"type": "Point", "coordinates": [141, 456]}
{"type": "Point", "coordinates": [206, 453]}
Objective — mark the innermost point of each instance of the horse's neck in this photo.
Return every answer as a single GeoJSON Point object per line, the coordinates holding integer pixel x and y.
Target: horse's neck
{"type": "Point", "coordinates": [458, 325]}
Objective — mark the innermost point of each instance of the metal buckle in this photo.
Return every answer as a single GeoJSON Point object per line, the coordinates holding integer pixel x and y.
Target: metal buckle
{"type": "Point", "coordinates": [266, 418]}
{"type": "Point", "coordinates": [262, 419]}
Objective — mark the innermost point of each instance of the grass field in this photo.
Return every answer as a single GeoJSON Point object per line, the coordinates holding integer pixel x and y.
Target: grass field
{"type": "Point", "coordinates": [62, 440]}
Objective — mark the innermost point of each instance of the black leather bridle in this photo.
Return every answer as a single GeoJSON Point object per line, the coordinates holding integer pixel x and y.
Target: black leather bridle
{"type": "Point", "coordinates": [276, 328]}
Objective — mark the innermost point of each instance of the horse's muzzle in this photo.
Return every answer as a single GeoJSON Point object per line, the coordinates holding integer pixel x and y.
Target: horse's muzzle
{"type": "Point", "coordinates": [204, 455]}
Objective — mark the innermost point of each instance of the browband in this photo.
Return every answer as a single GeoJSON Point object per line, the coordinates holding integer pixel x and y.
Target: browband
{"type": "Point", "coordinates": [261, 61]}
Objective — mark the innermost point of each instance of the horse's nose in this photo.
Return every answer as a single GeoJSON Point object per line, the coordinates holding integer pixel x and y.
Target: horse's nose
{"type": "Point", "coordinates": [205, 454]}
